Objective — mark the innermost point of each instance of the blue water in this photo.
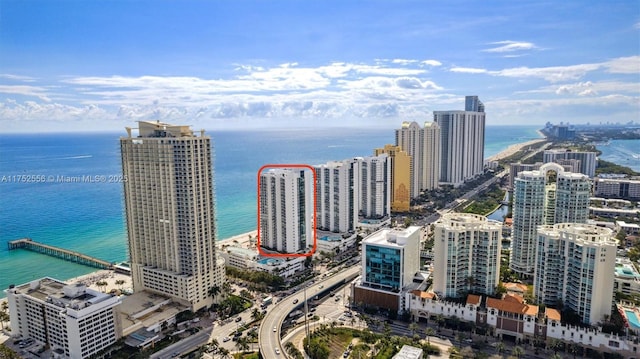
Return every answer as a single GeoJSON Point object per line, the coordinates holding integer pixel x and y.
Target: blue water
{"type": "Point", "coordinates": [622, 152]}
{"type": "Point", "coordinates": [633, 319]}
{"type": "Point", "coordinates": [88, 217]}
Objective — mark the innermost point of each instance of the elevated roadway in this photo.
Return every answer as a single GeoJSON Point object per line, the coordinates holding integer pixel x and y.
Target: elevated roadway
{"type": "Point", "coordinates": [269, 336]}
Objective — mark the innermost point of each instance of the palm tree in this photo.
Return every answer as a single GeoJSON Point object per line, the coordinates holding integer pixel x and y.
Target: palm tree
{"type": "Point", "coordinates": [518, 351]}
{"type": "Point", "coordinates": [556, 356]}
{"type": "Point", "coordinates": [429, 332]}
{"type": "Point", "coordinates": [214, 345]}
{"type": "Point", "coordinates": [224, 353]}
{"type": "Point", "coordinates": [500, 347]}
{"type": "Point", "coordinates": [413, 327]}
{"type": "Point", "coordinates": [440, 321]}
{"type": "Point", "coordinates": [242, 344]}
{"type": "Point", "coordinates": [120, 283]}
{"type": "Point", "coordinates": [102, 284]}
{"type": "Point", "coordinates": [256, 314]}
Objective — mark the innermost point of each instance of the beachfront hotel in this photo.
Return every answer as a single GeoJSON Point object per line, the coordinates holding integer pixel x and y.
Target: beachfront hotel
{"type": "Point", "coordinates": [169, 202]}
{"type": "Point", "coordinates": [544, 197]}
{"type": "Point", "coordinates": [286, 210]}
{"type": "Point", "coordinates": [423, 145]}
{"type": "Point", "coordinates": [400, 176]}
{"type": "Point", "coordinates": [466, 255]}
{"type": "Point", "coordinates": [72, 321]}
{"type": "Point", "coordinates": [574, 266]}
{"type": "Point", "coordinates": [461, 142]}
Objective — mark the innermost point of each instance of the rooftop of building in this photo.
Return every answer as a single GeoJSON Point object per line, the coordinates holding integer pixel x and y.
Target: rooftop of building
{"type": "Point", "coordinates": [625, 269]}
{"type": "Point", "coordinates": [423, 295]}
{"type": "Point", "coordinates": [75, 296]}
{"type": "Point", "coordinates": [242, 251]}
{"type": "Point", "coordinates": [408, 352]}
{"type": "Point", "coordinates": [512, 304]}
{"type": "Point", "coordinates": [515, 287]}
{"type": "Point", "coordinates": [552, 314]}
{"type": "Point", "coordinates": [474, 299]}
{"type": "Point", "coordinates": [152, 129]}
{"type": "Point", "coordinates": [396, 237]}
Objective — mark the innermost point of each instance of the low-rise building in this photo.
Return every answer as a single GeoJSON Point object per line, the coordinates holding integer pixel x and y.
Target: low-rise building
{"type": "Point", "coordinates": [72, 320]}
{"type": "Point", "coordinates": [626, 277]}
{"type": "Point", "coordinates": [513, 317]}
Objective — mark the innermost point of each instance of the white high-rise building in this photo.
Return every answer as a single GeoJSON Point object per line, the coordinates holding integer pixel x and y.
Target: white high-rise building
{"type": "Point", "coordinates": [169, 202]}
{"type": "Point", "coordinates": [338, 195]}
{"type": "Point", "coordinates": [286, 210]}
{"type": "Point", "coordinates": [466, 255]}
{"type": "Point", "coordinates": [375, 186]}
{"type": "Point", "coordinates": [575, 263]}
{"type": "Point", "coordinates": [72, 320]}
{"type": "Point", "coordinates": [462, 143]}
{"type": "Point", "coordinates": [545, 196]}
{"type": "Point", "coordinates": [423, 145]}
{"type": "Point", "coordinates": [586, 161]}
{"type": "Point", "coordinates": [432, 156]}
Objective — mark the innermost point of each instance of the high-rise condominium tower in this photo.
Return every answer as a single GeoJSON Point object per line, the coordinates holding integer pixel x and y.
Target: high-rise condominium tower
{"type": "Point", "coordinates": [375, 186]}
{"type": "Point", "coordinates": [169, 204]}
{"type": "Point", "coordinates": [338, 195]}
{"type": "Point", "coordinates": [423, 145]}
{"type": "Point", "coordinates": [574, 266]}
{"type": "Point", "coordinates": [400, 176]}
{"type": "Point", "coordinates": [466, 255]}
{"type": "Point", "coordinates": [462, 142]}
{"type": "Point", "coordinates": [546, 196]}
{"type": "Point", "coordinates": [286, 210]}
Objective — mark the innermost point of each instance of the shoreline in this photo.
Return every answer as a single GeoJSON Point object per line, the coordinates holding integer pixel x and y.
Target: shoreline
{"type": "Point", "coordinates": [511, 150]}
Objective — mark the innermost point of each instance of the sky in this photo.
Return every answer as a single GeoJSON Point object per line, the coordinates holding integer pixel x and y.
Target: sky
{"type": "Point", "coordinates": [234, 64]}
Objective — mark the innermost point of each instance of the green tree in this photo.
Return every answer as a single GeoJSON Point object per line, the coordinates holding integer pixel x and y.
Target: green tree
{"type": "Point", "coordinates": [242, 344]}
{"type": "Point", "coordinates": [517, 351]}
{"type": "Point", "coordinates": [429, 332]}
{"type": "Point", "coordinates": [120, 283]}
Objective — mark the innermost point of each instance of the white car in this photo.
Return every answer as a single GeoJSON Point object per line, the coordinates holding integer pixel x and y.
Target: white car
{"type": "Point", "coordinates": [275, 329]}
{"type": "Point", "coordinates": [277, 351]}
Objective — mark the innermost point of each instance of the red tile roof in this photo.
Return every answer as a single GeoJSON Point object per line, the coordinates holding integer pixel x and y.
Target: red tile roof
{"type": "Point", "coordinates": [552, 314]}
{"type": "Point", "coordinates": [474, 299]}
{"type": "Point", "coordinates": [421, 294]}
{"type": "Point", "coordinates": [512, 305]}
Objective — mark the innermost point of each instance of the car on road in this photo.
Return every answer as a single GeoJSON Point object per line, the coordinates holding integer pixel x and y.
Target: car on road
{"type": "Point", "coordinates": [275, 329]}
{"type": "Point", "coordinates": [295, 301]}
{"type": "Point", "coordinates": [277, 351]}
{"type": "Point", "coordinates": [226, 339]}
{"type": "Point", "coordinates": [238, 319]}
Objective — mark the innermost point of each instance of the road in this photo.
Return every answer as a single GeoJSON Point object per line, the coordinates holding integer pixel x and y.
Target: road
{"type": "Point", "coordinates": [269, 334]}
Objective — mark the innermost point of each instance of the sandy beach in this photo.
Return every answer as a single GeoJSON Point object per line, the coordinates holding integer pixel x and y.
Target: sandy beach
{"type": "Point", "coordinates": [513, 149]}
{"type": "Point", "coordinates": [241, 240]}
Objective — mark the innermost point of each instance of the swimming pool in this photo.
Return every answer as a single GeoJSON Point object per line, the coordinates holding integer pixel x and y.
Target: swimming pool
{"type": "Point", "coordinates": [632, 318]}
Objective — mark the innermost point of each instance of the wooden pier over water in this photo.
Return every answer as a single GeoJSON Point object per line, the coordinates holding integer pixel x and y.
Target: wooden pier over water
{"type": "Point", "coordinates": [71, 256]}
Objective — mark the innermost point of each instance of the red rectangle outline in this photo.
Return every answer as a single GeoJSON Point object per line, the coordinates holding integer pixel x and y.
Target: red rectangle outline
{"type": "Point", "coordinates": [314, 230]}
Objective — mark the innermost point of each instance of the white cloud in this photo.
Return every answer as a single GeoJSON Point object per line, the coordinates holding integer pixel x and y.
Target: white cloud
{"type": "Point", "coordinates": [17, 77]}
{"type": "Point", "coordinates": [35, 91]}
{"type": "Point", "coordinates": [431, 62]}
{"type": "Point", "coordinates": [551, 74]}
{"type": "Point", "coordinates": [403, 61]}
{"type": "Point", "coordinates": [624, 65]}
{"type": "Point", "coordinates": [468, 70]}
{"type": "Point", "coordinates": [510, 46]}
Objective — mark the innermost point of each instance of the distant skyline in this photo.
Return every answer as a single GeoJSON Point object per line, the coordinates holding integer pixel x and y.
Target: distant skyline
{"type": "Point", "coordinates": [102, 65]}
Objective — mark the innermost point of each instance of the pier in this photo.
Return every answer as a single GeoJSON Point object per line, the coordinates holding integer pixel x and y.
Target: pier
{"type": "Point", "coordinates": [71, 256]}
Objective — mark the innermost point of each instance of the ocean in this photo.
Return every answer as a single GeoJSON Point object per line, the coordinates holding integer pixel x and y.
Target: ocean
{"type": "Point", "coordinates": [88, 216]}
